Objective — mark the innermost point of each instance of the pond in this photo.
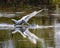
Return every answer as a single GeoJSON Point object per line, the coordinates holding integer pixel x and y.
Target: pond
{"type": "Point", "coordinates": [46, 33]}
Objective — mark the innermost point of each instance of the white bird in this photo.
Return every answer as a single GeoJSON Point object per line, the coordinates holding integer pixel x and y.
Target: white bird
{"type": "Point", "coordinates": [24, 19]}
{"type": "Point", "coordinates": [23, 30]}
{"type": "Point", "coordinates": [27, 17]}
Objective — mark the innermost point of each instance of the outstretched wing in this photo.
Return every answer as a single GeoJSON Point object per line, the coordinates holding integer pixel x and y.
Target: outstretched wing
{"type": "Point", "coordinates": [34, 26]}
{"type": "Point", "coordinates": [27, 17]}
{"type": "Point", "coordinates": [31, 36]}
{"type": "Point", "coordinates": [19, 32]}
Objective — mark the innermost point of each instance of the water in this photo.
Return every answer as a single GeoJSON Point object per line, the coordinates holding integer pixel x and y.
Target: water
{"type": "Point", "coordinates": [40, 26]}
{"type": "Point", "coordinates": [4, 26]}
{"type": "Point", "coordinates": [33, 38]}
{"type": "Point", "coordinates": [9, 15]}
{"type": "Point", "coordinates": [8, 44]}
{"type": "Point", "coordinates": [57, 36]}
{"type": "Point", "coordinates": [50, 47]}
{"type": "Point", "coordinates": [57, 31]}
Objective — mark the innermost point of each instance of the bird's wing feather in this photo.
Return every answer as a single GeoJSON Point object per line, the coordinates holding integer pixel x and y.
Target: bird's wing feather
{"type": "Point", "coordinates": [31, 36]}
{"type": "Point", "coordinates": [27, 17]}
